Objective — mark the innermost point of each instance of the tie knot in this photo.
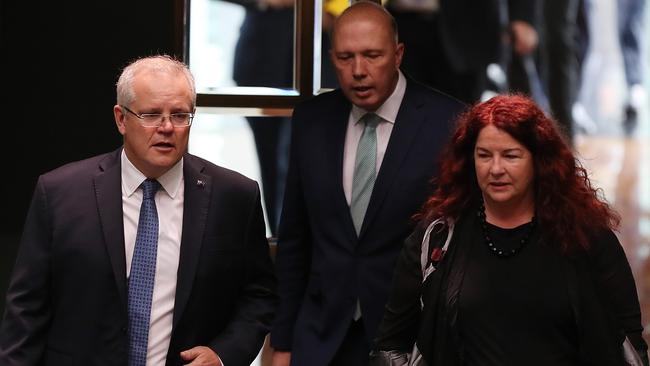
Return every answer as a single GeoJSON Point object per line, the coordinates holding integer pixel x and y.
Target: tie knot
{"type": "Point", "coordinates": [371, 120]}
{"type": "Point", "coordinates": [149, 188]}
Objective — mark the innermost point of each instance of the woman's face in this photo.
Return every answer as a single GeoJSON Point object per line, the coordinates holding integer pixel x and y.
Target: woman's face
{"type": "Point", "coordinates": [504, 168]}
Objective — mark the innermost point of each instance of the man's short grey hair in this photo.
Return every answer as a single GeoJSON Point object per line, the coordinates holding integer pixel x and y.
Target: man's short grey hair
{"type": "Point", "coordinates": [158, 63]}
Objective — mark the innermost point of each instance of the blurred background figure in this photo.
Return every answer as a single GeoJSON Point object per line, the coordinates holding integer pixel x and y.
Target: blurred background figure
{"type": "Point", "coordinates": [264, 57]}
{"type": "Point", "coordinates": [450, 43]}
{"type": "Point", "coordinates": [559, 58]}
{"type": "Point", "coordinates": [630, 29]}
{"type": "Point", "coordinates": [552, 76]}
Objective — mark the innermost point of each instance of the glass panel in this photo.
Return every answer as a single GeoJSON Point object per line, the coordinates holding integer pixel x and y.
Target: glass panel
{"type": "Point", "coordinates": [325, 13]}
{"type": "Point", "coordinates": [242, 43]}
{"type": "Point", "coordinates": [225, 140]}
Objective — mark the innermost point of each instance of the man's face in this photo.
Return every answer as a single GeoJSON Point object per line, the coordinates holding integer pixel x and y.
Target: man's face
{"type": "Point", "coordinates": [367, 59]}
{"type": "Point", "coordinates": [154, 150]}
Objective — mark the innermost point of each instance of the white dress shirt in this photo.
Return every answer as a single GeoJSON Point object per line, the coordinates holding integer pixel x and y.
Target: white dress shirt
{"type": "Point", "coordinates": [169, 204]}
{"type": "Point", "coordinates": [388, 113]}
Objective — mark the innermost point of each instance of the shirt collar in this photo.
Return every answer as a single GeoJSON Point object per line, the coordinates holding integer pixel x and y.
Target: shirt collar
{"type": "Point", "coordinates": [132, 177]}
{"type": "Point", "coordinates": [389, 109]}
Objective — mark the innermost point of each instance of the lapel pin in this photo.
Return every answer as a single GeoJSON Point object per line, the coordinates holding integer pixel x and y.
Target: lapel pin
{"type": "Point", "coordinates": [200, 183]}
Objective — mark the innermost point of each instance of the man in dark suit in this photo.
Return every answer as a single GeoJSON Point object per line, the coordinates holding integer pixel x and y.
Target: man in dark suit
{"type": "Point", "coordinates": [340, 235]}
{"type": "Point", "coordinates": [145, 255]}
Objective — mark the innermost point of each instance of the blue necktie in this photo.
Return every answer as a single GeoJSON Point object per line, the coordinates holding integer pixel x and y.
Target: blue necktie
{"type": "Point", "coordinates": [365, 170]}
{"type": "Point", "coordinates": [143, 272]}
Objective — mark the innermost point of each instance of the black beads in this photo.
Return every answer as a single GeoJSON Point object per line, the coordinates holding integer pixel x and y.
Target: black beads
{"type": "Point", "coordinates": [493, 248]}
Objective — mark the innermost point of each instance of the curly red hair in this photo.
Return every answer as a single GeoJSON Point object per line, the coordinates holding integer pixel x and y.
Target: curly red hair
{"type": "Point", "coordinates": [567, 206]}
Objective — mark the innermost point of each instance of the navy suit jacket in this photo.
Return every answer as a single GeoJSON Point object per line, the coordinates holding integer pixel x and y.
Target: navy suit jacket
{"type": "Point", "coordinates": [67, 299]}
{"type": "Point", "coordinates": [322, 266]}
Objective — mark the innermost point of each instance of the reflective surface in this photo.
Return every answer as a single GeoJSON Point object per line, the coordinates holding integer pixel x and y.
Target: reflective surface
{"type": "Point", "coordinates": [246, 47]}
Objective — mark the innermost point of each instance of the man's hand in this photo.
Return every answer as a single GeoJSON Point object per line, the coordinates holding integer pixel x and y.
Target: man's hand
{"type": "Point", "coordinates": [281, 358]}
{"type": "Point", "coordinates": [201, 356]}
{"type": "Point", "coordinates": [524, 37]}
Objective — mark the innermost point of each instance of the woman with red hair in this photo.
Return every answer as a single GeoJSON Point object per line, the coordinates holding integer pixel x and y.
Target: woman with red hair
{"type": "Point", "coordinates": [514, 260]}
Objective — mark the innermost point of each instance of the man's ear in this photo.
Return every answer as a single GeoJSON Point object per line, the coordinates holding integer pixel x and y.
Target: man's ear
{"type": "Point", "coordinates": [120, 118]}
{"type": "Point", "coordinates": [399, 53]}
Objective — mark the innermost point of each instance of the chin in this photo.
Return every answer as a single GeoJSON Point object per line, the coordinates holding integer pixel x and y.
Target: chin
{"type": "Point", "coordinates": [499, 198]}
{"type": "Point", "coordinates": [369, 106]}
{"type": "Point", "coordinates": [165, 162]}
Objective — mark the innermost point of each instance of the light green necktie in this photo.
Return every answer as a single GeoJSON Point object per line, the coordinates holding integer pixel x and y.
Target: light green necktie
{"type": "Point", "coordinates": [365, 169]}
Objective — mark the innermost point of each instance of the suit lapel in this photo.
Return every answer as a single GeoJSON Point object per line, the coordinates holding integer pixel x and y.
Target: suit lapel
{"type": "Point", "coordinates": [108, 193]}
{"type": "Point", "coordinates": [198, 188]}
{"type": "Point", "coordinates": [335, 147]}
{"type": "Point", "coordinates": [406, 129]}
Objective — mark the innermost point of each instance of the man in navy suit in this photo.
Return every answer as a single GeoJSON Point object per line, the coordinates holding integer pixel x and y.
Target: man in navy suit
{"type": "Point", "coordinates": [335, 271]}
{"type": "Point", "coordinates": [212, 293]}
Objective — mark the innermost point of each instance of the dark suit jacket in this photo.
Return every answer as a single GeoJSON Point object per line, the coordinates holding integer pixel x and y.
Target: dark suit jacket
{"type": "Point", "coordinates": [66, 303]}
{"type": "Point", "coordinates": [323, 267]}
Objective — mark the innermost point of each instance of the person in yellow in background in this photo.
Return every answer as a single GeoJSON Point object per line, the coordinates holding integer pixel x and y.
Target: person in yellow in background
{"type": "Point", "coordinates": [335, 7]}
{"type": "Point", "coordinates": [331, 10]}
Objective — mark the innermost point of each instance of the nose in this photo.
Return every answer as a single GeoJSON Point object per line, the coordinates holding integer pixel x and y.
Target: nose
{"type": "Point", "coordinates": [497, 166]}
{"type": "Point", "coordinates": [166, 124]}
{"type": "Point", "coordinates": [359, 68]}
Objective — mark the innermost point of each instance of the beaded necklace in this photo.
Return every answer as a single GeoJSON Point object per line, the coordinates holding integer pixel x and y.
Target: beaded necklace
{"type": "Point", "coordinates": [500, 252]}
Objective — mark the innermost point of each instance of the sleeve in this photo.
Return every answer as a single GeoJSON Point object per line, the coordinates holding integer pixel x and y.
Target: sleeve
{"type": "Point", "coordinates": [294, 246]}
{"type": "Point", "coordinates": [619, 289]}
{"type": "Point", "coordinates": [24, 328]}
{"type": "Point", "coordinates": [257, 301]}
{"type": "Point", "coordinates": [399, 327]}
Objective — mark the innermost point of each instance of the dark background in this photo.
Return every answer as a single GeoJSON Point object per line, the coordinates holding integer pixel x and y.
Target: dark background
{"type": "Point", "coordinates": [59, 64]}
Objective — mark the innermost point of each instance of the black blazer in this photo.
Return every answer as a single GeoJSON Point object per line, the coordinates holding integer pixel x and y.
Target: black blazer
{"type": "Point", "coordinates": [66, 302]}
{"type": "Point", "coordinates": [600, 286]}
{"type": "Point", "coordinates": [323, 267]}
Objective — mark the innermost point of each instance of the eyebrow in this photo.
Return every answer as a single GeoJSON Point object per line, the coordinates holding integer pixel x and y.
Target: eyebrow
{"type": "Point", "coordinates": [513, 149]}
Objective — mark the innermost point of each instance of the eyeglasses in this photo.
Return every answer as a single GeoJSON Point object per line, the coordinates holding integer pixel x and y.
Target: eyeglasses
{"type": "Point", "coordinates": [182, 119]}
